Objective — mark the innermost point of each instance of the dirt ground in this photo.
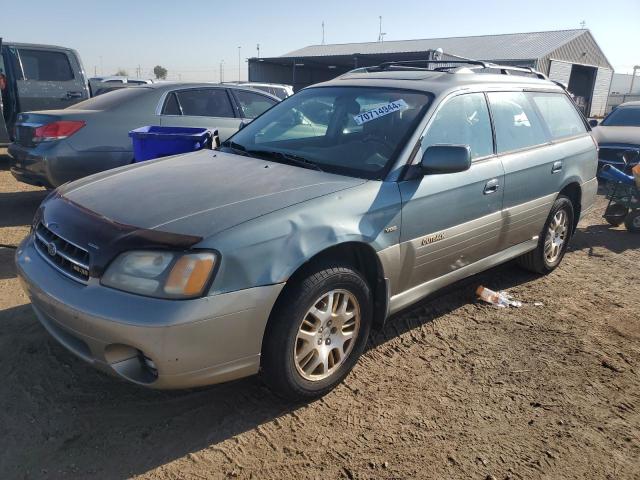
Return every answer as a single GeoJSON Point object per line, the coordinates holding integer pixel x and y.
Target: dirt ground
{"type": "Point", "coordinates": [451, 388]}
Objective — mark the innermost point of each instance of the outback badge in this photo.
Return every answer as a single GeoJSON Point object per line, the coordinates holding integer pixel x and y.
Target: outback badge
{"type": "Point", "coordinates": [432, 238]}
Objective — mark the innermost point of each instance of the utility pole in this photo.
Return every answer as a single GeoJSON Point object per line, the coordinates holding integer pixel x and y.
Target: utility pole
{"type": "Point", "coordinates": [258, 48]}
{"type": "Point", "coordinates": [381, 34]}
{"type": "Point", "coordinates": [138, 71]}
{"type": "Point", "coordinates": [101, 66]}
{"type": "Point", "coordinates": [239, 48]}
{"type": "Point", "coordinates": [95, 70]}
{"type": "Point", "coordinates": [633, 78]}
{"type": "Point", "coordinates": [323, 32]}
{"type": "Point", "coordinates": [222, 71]}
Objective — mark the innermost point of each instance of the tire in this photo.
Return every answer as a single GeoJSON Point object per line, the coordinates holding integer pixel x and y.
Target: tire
{"type": "Point", "coordinates": [293, 327]}
{"type": "Point", "coordinates": [615, 214]}
{"type": "Point", "coordinates": [632, 221]}
{"type": "Point", "coordinates": [537, 260]}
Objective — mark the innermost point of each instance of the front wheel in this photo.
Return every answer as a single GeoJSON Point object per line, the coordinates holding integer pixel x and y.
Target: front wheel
{"type": "Point", "coordinates": [553, 240]}
{"type": "Point", "coordinates": [317, 332]}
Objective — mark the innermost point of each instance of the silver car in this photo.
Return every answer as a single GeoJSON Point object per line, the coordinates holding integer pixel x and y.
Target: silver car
{"type": "Point", "coordinates": [339, 206]}
{"type": "Point", "coordinates": [56, 146]}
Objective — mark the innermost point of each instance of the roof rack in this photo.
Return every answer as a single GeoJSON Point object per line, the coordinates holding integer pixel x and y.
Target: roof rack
{"type": "Point", "coordinates": [448, 65]}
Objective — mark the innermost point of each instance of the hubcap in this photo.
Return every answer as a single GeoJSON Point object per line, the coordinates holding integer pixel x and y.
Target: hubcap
{"type": "Point", "coordinates": [327, 334]}
{"type": "Point", "coordinates": [556, 236]}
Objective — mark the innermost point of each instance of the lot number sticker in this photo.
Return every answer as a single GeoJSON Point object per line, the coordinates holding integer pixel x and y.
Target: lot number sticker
{"type": "Point", "coordinates": [381, 111]}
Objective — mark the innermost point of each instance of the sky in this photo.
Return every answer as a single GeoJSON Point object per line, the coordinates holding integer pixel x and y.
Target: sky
{"type": "Point", "coordinates": [192, 38]}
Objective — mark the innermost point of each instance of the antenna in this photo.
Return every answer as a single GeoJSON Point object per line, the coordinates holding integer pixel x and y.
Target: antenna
{"type": "Point", "coordinates": [381, 34]}
{"type": "Point", "coordinates": [583, 24]}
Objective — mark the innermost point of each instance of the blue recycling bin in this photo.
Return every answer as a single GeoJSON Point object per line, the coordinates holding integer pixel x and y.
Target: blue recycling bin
{"type": "Point", "coordinates": [154, 142]}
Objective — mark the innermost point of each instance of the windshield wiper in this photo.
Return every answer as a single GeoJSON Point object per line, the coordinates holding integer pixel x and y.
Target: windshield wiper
{"type": "Point", "coordinates": [290, 158]}
{"type": "Point", "coordinates": [236, 147]}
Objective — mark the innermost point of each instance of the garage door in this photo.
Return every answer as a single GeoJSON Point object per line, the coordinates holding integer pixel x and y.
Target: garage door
{"type": "Point", "coordinates": [601, 92]}
{"type": "Point", "coordinates": [560, 71]}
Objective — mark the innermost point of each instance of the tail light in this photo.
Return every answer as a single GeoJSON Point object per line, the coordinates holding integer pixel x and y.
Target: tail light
{"type": "Point", "coordinates": [57, 130]}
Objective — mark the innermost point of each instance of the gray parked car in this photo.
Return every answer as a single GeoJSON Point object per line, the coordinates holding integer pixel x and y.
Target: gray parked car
{"type": "Point", "coordinates": [55, 146]}
{"type": "Point", "coordinates": [279, 251]}
{"type": "Point", "coordinates": [37, 77]}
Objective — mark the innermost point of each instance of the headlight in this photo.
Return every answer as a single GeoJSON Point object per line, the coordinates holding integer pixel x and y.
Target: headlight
{"type": "Point", "coordinates": [161, 274]}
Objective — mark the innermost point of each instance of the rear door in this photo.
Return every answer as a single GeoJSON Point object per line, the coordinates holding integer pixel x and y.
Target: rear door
{"type": "Point", "coordinates": [210, 108]}
{"type": "Point", "coordinates": [452, 220]}
{"type": "Point", "coordinates": [533, 166]}
{"type": "Point", "coordinates": [49, 78]}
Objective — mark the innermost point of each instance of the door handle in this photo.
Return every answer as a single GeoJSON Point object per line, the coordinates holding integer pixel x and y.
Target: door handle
{"type": "Point", "coordinates": [557, 167]}
{"type": "Point", "coordinates": [491, 186]}
{"type": "Point", "coordinates": [73, 95]}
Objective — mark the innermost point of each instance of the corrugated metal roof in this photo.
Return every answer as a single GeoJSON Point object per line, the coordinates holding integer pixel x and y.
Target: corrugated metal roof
{"type": "Point", "coordinates": [510, 46]}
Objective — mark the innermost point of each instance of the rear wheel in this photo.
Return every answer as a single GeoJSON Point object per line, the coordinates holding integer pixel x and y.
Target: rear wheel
{"type": "Point", "coordinates": [632, 221]}
{"type": "Point", "coordinates": [317, 332]}
{"type": "Point", "coordinates": [553, 240]}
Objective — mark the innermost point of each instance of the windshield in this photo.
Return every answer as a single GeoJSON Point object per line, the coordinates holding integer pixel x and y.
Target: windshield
{"type": "Point", "coordinates": [623, 117]}
{"type": "Point", "coordinates": [357, 131]}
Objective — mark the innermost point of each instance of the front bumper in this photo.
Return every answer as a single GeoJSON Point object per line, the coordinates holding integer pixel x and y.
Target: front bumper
{"type": "Point", "coordinates": [189, 342]}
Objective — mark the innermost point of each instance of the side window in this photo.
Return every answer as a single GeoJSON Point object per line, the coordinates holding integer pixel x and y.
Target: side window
{"type": "Point", "coordinates": [559, 114]}
{"type": "Point", "coordinates": [45, 65]}
{"type": "Point", "coordinates": [463, 120]}
{"type": "Point", "coordinates": [171, 106]}
{"type": "Point", "coordinates": [207, 102]}
{"type": "Point", "coordinates": [253, 104]}
{"type": "Point", "coordinates": [516, 122]}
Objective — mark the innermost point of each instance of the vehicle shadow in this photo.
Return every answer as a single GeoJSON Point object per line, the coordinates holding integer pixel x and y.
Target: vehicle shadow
{"type": "Point", "coordinates": [7, 268]}
{"type": "Point", "coordinates": [18, 208]}
{"type": "Point", "coordinates": [614, 239]}
{"type": "Point", "coordinates": [82, 414]}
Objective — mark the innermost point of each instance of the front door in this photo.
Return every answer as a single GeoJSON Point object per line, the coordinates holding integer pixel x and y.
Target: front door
{"type": "Point", "coordinates": [452, 220]}
{"type": "Point", "coordinates": [201, 107]}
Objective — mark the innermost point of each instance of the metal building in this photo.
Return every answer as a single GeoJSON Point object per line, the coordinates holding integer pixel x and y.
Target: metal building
{"type": "Point", "coordinates": [570, 56]}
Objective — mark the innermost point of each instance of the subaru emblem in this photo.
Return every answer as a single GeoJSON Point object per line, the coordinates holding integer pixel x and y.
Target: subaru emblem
{"type": "Point", "coordinates": [52, 249]}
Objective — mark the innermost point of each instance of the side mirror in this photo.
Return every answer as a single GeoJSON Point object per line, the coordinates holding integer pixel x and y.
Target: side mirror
{"type": "Point", "coordinates": [593, 123]}
{"type": "Point", "coordinates": [446, 159]}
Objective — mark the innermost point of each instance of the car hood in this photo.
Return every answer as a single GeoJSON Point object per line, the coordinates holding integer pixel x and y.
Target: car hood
{"type": "Point", "coordinates": [201, 193]}
{"type": "Point", "coordinates": [624, 135]}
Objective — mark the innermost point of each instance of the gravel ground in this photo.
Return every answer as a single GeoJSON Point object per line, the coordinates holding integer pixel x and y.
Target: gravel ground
{"type": "Point", "coordinates": [451, 388]}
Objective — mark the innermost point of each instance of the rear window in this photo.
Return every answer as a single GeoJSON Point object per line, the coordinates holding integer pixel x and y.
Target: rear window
{"type": "Point", "coordinates": [516, 123]}
{"type": "Point", "coordinates": [111, 100]}
{"type": "Point", "coordinates": [559, 114]}
{"type": "Point", "coordinates": [45, 65]}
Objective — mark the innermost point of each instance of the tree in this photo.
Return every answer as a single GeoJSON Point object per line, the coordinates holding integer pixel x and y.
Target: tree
{"type": "Point", "coordinates": [160, 72]}
{"type": "Point", "coordinates": [122, 73]}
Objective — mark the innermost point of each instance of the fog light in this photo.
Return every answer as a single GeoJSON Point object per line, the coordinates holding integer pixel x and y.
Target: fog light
{"type": "Point", "coordinates": [149, 363]}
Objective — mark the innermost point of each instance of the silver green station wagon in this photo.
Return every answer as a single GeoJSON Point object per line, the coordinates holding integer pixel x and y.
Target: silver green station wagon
{"type": "Point", "coordinates": [276, 253]}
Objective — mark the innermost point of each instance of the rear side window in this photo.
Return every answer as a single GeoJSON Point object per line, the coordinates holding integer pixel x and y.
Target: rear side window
{"type": "Point", "coordinates": [45, 65]}
{"type": "Point", "coordinates": [209, 102]}
{"type": "Point", "coordinates": [112, 99]}
{"type": "Point", "coordinates": [253, 104]}
{"type": "Point", "coordinates": [516, 122]}
{"type": "Point", "coordinates": [463, 120]}
{"type": "Point", "coordinates": [171, 106]}
{"type": "Point", "coordinates": [559, 114]}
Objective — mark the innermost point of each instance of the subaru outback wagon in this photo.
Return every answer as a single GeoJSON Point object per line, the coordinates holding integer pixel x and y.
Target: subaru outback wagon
{"type": "Point", "coordinates": [276, 253]}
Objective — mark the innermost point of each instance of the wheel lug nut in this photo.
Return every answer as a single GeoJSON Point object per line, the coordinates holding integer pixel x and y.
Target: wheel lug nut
{"type": "Point", "coordinates": [319, 341]}
{"type": "Point", "coordinates": [328, 342]}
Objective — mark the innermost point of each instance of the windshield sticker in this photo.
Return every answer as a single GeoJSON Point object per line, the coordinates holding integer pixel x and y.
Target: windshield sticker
{"type": "Point", "coordinates": [381, 111]}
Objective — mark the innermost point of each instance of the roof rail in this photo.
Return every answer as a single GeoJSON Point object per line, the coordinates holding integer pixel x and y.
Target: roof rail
{"type": "Point", "coordinates": [409, 64]}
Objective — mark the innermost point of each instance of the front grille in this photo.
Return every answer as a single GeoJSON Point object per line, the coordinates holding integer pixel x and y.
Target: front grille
{"type": "Point", "coordinates": [614, 154]}
{"type": "Point", "coordinates": [68, 258]}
